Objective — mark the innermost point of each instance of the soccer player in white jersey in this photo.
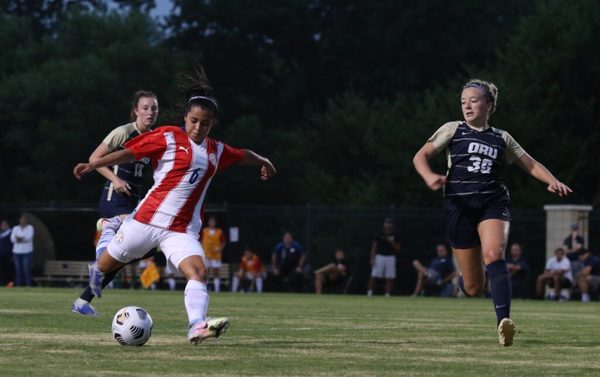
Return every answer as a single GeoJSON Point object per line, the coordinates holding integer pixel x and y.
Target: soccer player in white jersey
{"type": "Point", "coordinates": [475, 199]}
{"type": "Point", "coordinates": [184, 161]}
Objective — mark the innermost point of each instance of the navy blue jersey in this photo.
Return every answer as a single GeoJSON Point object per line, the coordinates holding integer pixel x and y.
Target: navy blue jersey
{"type": "Point", "coordinates": [130, 172]}
{"type": "Point", "coordinates": [594, 263]}
{"type": "Point", "coordinates": [475, 162]}
{"type": "Point", "coordinates": [385, 243]}
{"type": "Point", "coordinates": [288, 256]}
{"type": "Point", "coordinates": [520, 275]}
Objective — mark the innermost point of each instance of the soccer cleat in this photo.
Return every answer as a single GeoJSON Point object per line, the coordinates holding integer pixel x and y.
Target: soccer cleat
{"type": "Point", "coordinates": [83, 307]}
{"type": "Point", "coordinates": [111, 222]}
{"type": "Point", "coordinates": [506, 332]}
{"type": "Point", "coordinates": [211, 328]}
{"type": "Point", "coordinates": [96, 280]}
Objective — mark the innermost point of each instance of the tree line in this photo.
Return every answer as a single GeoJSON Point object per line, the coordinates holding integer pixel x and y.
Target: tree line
{"type": "Point", "coordinates": [339, 94]}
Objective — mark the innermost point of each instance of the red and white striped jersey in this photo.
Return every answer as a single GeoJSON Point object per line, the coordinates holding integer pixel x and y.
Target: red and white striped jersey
{"type": "Point", "coordinates": [182, 172]}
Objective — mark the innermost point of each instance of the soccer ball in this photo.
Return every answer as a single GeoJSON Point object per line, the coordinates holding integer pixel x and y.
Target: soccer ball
{"type": "Point", "coordinates": [132, 326]}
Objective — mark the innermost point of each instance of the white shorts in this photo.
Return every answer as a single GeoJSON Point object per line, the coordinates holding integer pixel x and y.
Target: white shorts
{"type": "Point", "coordinates": [213, 263]}
{"type": "Point", "coordinates": [384, 267]}
{"type": "Point", "coordinates": [134, 239]}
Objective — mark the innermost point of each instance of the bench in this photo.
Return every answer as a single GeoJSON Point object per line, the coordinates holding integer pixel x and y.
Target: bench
{"type": "Point", "coordinates": [65, 272]}
{"type": "Point", "coordinates": [224, 275]}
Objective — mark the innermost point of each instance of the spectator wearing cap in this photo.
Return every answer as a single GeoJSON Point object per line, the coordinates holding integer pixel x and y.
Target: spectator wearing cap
{"type": "Point", "coordinates": [588, 278]}
{"type": "Point", "coordinates": [384, 249]}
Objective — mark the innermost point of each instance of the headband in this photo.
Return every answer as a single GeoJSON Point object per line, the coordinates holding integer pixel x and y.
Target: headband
{"type": "Point", "coordinates": [209, 99]}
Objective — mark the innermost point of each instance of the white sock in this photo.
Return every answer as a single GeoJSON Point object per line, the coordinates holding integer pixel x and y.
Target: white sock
{"type": "Point", "coordinates": [259, 282]}
{"type": "Point", "coordinates": [196, 301]}
{"type": "Point", "coordinates": [370, 292]}
{"type": "Point", "coordinates": [81, 301]}
{"type": "Point", "coordinates": [585, 297]}
{"type": "Point", "coordinates": [217, 283]}
{"type": "Point", "coordinates": [172, 283]}
{"type": "Point", "coordinates": [235, 284]}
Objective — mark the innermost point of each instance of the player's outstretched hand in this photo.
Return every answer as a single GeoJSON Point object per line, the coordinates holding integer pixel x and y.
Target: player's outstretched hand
{"type": "Point", "coordinates": [435, 181]}
{"type": "Point", "coordinates": [559, 188]}
{"type": "Point", "coordinates": [82, 168]}
{"type": "Point", "coordinates": [267, 170]}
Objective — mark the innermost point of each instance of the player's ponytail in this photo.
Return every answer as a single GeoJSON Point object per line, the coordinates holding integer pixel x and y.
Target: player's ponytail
{"type": "Point", "coordinates": [196, 91]}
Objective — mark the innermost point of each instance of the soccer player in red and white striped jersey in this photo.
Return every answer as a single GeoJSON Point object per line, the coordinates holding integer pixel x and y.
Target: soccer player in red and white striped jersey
{"type": "Point", "coordinates": [184, 161]}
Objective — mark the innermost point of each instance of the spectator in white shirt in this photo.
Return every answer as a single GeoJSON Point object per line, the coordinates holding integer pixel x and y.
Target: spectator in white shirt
{"type": "Point", "coordinates": [22, 238]}
{"type": "Point", "coordinates": [557, 274]}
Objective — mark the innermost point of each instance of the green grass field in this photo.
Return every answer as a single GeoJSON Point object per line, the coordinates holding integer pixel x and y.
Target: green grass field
{"type": "Point", "coordinates": [297, 335]}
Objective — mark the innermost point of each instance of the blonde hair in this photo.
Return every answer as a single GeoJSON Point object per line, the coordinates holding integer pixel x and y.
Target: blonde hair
{"type": "Point", "coordinates": [490, 91]}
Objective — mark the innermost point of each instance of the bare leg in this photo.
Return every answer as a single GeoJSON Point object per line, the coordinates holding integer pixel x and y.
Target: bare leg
{"type": "Point", "coordinates": [470, 266]}
{"type": "Point", "coordinates": [420, 284]}
{"type": "Point", "coordinates": [318, 283]}
{"type": "Point", "coordinates": [419, 267]}
{"type": "Point", "coordinates": [389, 285]}
{"type": "Point", "coordinates": [325, 269]}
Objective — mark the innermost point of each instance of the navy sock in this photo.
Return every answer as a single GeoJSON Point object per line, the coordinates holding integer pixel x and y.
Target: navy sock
{"type": "Point", "coordinates": [501, 288]}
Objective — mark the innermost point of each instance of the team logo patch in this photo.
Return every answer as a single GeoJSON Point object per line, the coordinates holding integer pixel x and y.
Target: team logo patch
{"type": "Point", "coordinates": [119, 236]}
{"type": "Point", "coordinates": [212, 158]}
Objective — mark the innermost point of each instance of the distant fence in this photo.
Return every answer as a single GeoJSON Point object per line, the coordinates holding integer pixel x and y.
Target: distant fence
{"type": "Point", "coordinates": [320, 229]}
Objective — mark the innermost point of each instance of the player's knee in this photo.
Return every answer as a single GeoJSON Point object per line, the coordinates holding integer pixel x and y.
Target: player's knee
{"type": "Point", "coordinates": [473, 289]}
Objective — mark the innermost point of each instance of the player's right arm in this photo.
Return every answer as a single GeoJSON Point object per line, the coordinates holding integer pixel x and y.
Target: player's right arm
{"type": "Point", "coordinates": [114, 158]}
{"type": "Point", "coordinates": [119, 185]}
{"type": "Point", "coordinates": [421, 162]}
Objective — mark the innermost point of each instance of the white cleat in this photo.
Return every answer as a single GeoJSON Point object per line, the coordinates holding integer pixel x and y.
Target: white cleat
{"type": "Point", "coordinates": [211, 328]}
{"type": "Point", "coordinates": [506, 332]}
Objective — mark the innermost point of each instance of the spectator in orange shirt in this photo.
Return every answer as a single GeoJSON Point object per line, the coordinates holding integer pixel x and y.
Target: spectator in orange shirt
{"type": "Point", "coordinates": [252, 269]}
{"type": "Point", "coordinates": [213, 242]}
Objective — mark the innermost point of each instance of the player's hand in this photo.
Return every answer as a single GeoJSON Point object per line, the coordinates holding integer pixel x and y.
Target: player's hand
{"type": "Point", "coordinates": [559, 188]}
{"type": "Point", "coordinates": [121, 186]}
{"type": "Point", "coordinates": [435, 181]}
{"type": "Point", "coordinates": [299, 270]}
{"type": "Point", "coordinates": [267, 170]}
{"type": "Point", "coordinates": [82, 168]}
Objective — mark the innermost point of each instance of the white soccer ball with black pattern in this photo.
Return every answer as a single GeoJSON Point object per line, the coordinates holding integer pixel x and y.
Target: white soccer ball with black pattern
{"type": "Point", "coordinates": [132, 326]}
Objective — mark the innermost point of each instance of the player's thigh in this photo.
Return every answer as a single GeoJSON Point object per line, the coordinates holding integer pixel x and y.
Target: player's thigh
{"type": "Point", "coordinates": [178, 246]}
{"type": "Point", "coordinates": [470, 265]}
{"type": "Point", "coordinates": [493, 234]}
{"type": "Point", "coordinates": [133, 240]}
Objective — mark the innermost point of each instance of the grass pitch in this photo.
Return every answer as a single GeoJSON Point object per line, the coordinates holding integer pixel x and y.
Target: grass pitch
{"type": "Point", "coordinates": [297, 335]}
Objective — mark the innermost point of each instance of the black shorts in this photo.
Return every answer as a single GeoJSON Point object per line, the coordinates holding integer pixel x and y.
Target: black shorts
{"type": "Point", "coordinates": [462, 225]}
{"type": "Point", "coordinates": [119, 204]}
{"type": "Point", "coordinates": [159, 259]}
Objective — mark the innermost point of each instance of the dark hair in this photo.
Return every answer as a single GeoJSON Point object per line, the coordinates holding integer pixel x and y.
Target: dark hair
{"type": "Point", "coordinates": [136, 100]}
{"type": "Point", "coordinates": [196, 91]}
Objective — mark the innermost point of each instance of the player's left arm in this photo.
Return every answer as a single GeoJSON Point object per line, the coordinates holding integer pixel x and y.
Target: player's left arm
{"type": "Point", "coordinates": [539, 171]}
{"type": "Point", "coordinates": [267, 169]}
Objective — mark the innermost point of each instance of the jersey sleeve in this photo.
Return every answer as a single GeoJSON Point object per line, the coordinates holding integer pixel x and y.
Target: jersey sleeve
{"type": "Point", "coordinates": [441, 138]}
{"type": "Point", "coordinates": [116, 138]}
{"type": "Point", "coordinates": [151, 144]}
{"type": "Point", "coordinates": [229, 156]}
{"type": "Point", "coordinates": [513, 150]}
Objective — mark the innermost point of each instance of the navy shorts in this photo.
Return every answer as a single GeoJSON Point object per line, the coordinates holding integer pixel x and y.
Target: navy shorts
{"type": "Point", "coordinates": [119, 204]}
{"type": "Point", "coordinates": [462, 225]}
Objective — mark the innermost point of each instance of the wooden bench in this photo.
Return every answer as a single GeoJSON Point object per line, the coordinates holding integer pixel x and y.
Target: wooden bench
{"type": "Point", "coordinates": [224, 274]}
{"type": "Point", "coordinates": [65, 272]}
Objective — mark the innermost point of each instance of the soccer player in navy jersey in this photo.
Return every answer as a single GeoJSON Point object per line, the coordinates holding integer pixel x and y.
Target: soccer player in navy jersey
{"type": "Point", "coordinates": [123, 187]}
{"type": "Point", "coordinates": [475, 199]}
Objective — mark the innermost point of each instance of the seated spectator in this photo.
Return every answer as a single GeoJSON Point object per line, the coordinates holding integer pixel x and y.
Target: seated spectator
{"type": "Point", "coordinates": [251, 270]}
{"type": "Point", "coordinates": [557, 274]}
{"type": "Point", "coordinates": [332, 273]}
{"type": "Point", "coordinates": [519, 270]}
{"type": "Point", "coordinates": [438, 275]}
{"type": "Point", "coordinates": [589, 276]}
{"type": "Point", "coordinates": [287, 263]}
